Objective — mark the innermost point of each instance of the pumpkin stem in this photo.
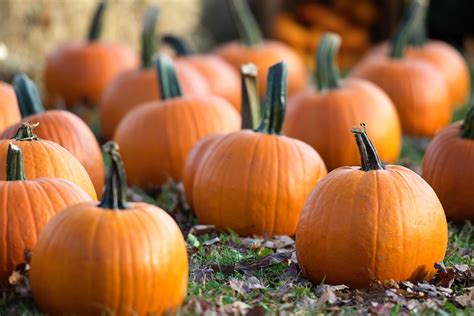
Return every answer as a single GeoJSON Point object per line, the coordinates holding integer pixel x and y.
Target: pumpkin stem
{"type": "Point", "coordinates": [275, 100]}
{"type": "Point", "coordinates": [169, 84]}
{"type": "Point", "coordinates": [418, 36]}
{"type": "Point", "coordinates": [96, 25]}
{"type": "Point", "coordinates": [27, 94]}
{"type": "Point", "coordinates": [115, 192]}
{"type": "Point", "coordinates": [249, 31]}
{"type": "Point", "coordinates": [178, 44]}
{"type": "Point", "coordinates": [148, 36]}
{"type": "Point", "coordinates": [15, 165]}
{"type": "Point", "coordinates": [368, 154]}
{"type": "Point", "coordinates": [400, 39]}
{"type": "Point", "coordinates": [25, 132]}
{"type": "Point", "coordinates": [468, 124]}
{"type": "Point", "coordinates": [251, 109]}
{"type": "Point", "coordinates": [327, 72]}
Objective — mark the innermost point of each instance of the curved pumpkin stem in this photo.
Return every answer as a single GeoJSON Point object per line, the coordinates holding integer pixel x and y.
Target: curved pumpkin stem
{"type": "Point", "coordinates": [178, 44]}
{"type": "Point", "coordinates": [95, 28]}
{"type": "Point", "coordinates": [275, 100]}
{"type": "Point", "coordinates": [400, 39]}
{"type": "Point", "coordinates": [468, 124]}
{"type": "Point", "coordinates": [15, 165]}
{"type": "Point", "coordinates": [25, 132]}
{"type": "Point", "coordinates": [169, 84]}
{"type": "Point", "coordinates": [418, 36]}
{"type": "Point", "coordinates": [115, 192]}
{"type": "Point", "coordinates": [27, 94]}
{"type": "Point", "coordinates": [148, 36]}
{"type": "Point", "coordinates": [368, 154]}
{"type": "Point", "coordinates": [249, 31]}
{"type": "Point", "coordinates": [251, 109]}
{"type": "Point", "coordinates": [327, 72]}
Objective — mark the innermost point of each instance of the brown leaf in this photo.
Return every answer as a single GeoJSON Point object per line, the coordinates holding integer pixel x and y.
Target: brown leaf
{"type": "Point", "coordinates": [466, 299]}
{"type": "Point", "coordinates": [200, 230]}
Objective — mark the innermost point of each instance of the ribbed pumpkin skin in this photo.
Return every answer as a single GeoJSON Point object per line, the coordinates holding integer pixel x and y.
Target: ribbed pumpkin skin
{"type": "Point", "coordinates": [72, 133]}
{"type": "Point", "coordinates": [255, 184]}
{"type": "Point", "coordinates": [9, 112]}
{"type": "Point", "coordinates": [43, 158]}
{"type": "Point", "coordinates": [155, 139]}
{"type": "Point", "coordinates": [417, 89]}
{"type": "Point", "coordinates": [91, 261]}
{"type": "Point", "coordinates": [323, 119]}
{"type": "Point", "coordinates": [387, 224]}
{"type": "Point", "coordinates": [133, 88]}
{"type": "Point", "coordinates": [264, 56]}
{"type": "Point", "coordinates": [447, 167]}
{"type": "Point", "coordinates": [80, 71]}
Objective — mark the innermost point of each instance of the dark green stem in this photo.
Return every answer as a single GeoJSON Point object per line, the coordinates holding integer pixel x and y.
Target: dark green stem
{"type": "Point", "coordinates": [249, 31]}
{"type": "Point", "coordinates": [418, 36]}
{"type": "Point", "coordinates": [25, 132]}
{"type": "Point", "coordinates": [115, 192]}
{"type": "Point", "coordinates": [251, 109]}
{"type": "Point", "coordinates": [95, 28]}
{"type": "Point", "coordinates": [275, 100]}
{"type": "Point", "coordinates": [148, 36]}
{"type": "Point", "coordinates": [468, 124]}
{"type": "Point", "coordinates": [327, 72]}
{"type": "Point", "coordinates": [368, 154]}
{"type": "Point", "coordinates": [400, 39]}
{"type": "Point", "coordinates": [15, 165]}
{"type": "Point", "coordinates": [169, 84]}
{"type": "Point", "coordinates": [27, 94]}
{"type": "Point", "coordinates": [178, 44]}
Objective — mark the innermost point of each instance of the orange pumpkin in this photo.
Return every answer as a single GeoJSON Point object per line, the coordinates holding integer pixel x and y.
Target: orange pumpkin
{"type": "Point", "coordinates": [383, 219]}
{"type": "Point", "coordinates": [114, 257]}
{"type": "Point", "coordinates": [61, 127]}
{"type": "Point", "coordinates": [80, 71]}
{"type": "Point", "coordinates": [9, 112]}
{"type": "Point", "coordinates": [134, 87]}
{"type": "Point", "coordinates": [157, 136]}
{"type": "Point", "coordinates": [263, 53]}
{"type": "Point", "coordinates": [44, 158]}
{"type": "Point", "coordinates": [255, 182]}
{"type": "Point", "coordinates": [320, 116]}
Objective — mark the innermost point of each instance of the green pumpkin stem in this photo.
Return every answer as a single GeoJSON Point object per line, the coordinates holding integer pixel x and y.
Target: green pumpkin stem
{"type": "Point", "coordinates": [275, 100]}
{"type": "Point", "coordinates": [27, 94]}
{"type": "Point", "coordinates": [25, 132]}
{"type": "Point", "coordinates": [95, 28]}
{"type": "Point", "coordinates": [368, 154]}
{"type": "Point", "coordinates": [178, 44]}
{"type": "Point", "coordinates": [148, 36]}
{"type": "Point", "coordinates": [115, 192]}
{"type": "Point", "coordinates": [169, 84]}
{"type": "Point", "coordinates": [468, 124]}
{"type": "Point", "coordinates": [327, 72]}
{"type": "Point", "coordinates": [418, 36]}
{"type": "Point", "coordinates": [15, 165]}
{"type": "Point", "coordinates": [251, 109]}
{"type": "Point", "coordinates": [400, 39]}
{"type": "Point", "coordinates": [249, 31]}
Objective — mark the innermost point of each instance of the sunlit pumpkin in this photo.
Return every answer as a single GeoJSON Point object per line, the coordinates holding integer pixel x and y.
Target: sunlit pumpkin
{"type": "Point", "coordinates": [9, 112]}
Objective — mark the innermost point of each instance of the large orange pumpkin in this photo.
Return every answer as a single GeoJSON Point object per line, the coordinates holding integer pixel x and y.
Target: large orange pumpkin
{"type": "Point", "coordinates": [255, 182]}
{"type": "Point", "coordinates": [44, 158]}
{"type": "Point", "coordinates": [61, 127]}
{"type": "Point", "coordinates": [384, 220]}
{"type": "Point", "coordinates": [9, 112]}
{"type": "Point", "coordinates": [320, 117]}
{"type": "Point", "coordinates": [156, 137]}
{"type": "Point", "coordinates": [113, 258]}
{"type": "Point", "coordinates": [263, 53]}
{"type": "Point", "coordinates": [80, 71]}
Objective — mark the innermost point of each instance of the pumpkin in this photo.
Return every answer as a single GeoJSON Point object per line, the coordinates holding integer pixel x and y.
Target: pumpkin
{"type": "Point", "coordinates": [79, 71]}
{"type": "Point", "coordinates": [417, 88]}
{"type": "Point", "coordinates": [255, 182]}
{"type": "Point", "coordinates": [263, 53]}
{"type": "Point", "coordinates": [9, 112]}
{"type": "Point", "coordinates": [61, 127]}
{"type": "Point", "coordinates": [26, 206]}
{"type": "Point", "coordinates": [384, 220]}
{"type": "Point", "coordinates": [114, 257]}
{"type": "Point", "coordinates": [320, 116]}
{"type": "Point", "coordinates": [157, 136]}
{"type": "Point", "coordinates": [136, 86]}
{"type": "Point", "coordinates": [44, 158]}
{"type": "Point", "coordinates": [447, 167]}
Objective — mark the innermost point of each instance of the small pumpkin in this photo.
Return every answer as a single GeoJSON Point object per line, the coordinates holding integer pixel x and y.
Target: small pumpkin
{"type": "Point", "coordinates": [255, 182]}
{"type": "Point", "coordinates": [320, 116]}
{"type": "Point", "coordinates": [110, 258]}
{"type": "Point", "coordinates": [9, 112]}
{"type": "Point", "coordinates": [80, 71]}
{"type": "Point", "coordinates": [134, 87]}
{"type": "Point", "coordinates": [61, 127]}
{"type": "Point", "coordinates": [157, 136]}
{"type": "Point", "coordinates": [263, 53]}
{"type": "Point", "coordinates": [447, 167]}
{"type": "Point", "coordinates": [383, 219]}
{"type": "Point", "coordinates": [44, 158]}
